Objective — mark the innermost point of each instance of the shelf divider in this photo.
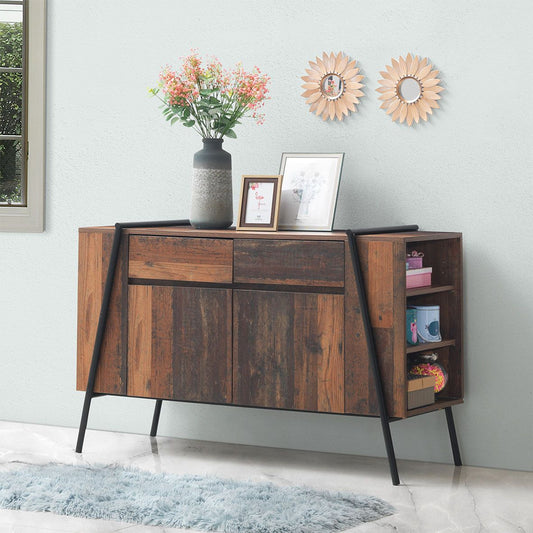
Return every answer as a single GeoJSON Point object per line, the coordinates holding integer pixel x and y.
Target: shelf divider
{"type": "Point", "coordinates": [430, 346]}
{"type": "Point", "coordinates": [430, 289]}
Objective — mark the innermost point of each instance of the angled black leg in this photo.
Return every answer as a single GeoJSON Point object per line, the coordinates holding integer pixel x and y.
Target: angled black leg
{"type": "Point", "coordinates": [89, 391]}
{"type": "Point", "coordinates": [453, 437]}
{"type": "Point", "coordinates": [155, 419]}
{"type": "Point", "coordinates": [383, 414]}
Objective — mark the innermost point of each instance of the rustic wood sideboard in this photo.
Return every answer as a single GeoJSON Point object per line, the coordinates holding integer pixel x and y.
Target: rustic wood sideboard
{"type": "Point", "coordinates": [264, 320]}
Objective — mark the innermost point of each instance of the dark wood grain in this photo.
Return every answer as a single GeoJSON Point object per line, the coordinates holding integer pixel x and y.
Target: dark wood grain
{"type": "Point", "coordinates": [181, 259]}
{"type": "Point", "coordinates": [382, 261]}
{"type": "Point", "coordinates": [359, 386]}
{"type": "Point", "coordinates": [180, 343]}
{"type": "Point", "coordinates": [94, 253]}
{"type": "Point", "coordinates": [289, 350]}
{"type": "Point", "coordinates": [289, 262]}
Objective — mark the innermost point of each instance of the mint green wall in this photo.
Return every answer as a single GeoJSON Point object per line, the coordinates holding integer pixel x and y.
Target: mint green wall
{"type": "Point", "coordinates": [111, 157]}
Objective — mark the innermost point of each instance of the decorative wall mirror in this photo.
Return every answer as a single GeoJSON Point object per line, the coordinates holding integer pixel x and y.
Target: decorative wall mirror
{"type": "Point", "coordinates": [410, 89]}
{"type": "Point", "coordinates": [332, 86]}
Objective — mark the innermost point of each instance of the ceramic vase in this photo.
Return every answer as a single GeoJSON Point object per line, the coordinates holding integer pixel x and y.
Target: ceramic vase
{"type": "Point", "coordinates": [212, 196]}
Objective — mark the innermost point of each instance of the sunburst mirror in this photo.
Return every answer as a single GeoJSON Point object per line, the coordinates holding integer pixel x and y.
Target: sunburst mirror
{"type": "Point", "coordinates": [410, 89]}
{"type": "Point", "coordinates": [332, 86]}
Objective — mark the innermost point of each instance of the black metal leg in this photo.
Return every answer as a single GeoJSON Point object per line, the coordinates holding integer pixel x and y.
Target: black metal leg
{"type": "Point", "coordinates": [155, 419]}
{"type": "Point", "coordinates": [113, 260]}
{"type": "Point", "coordinates": [453, 437]}
{"type": "Point", "coordinates": [83, 422]}
{"type": "Point", "coordinates": [89, 391]}
{"type": "Point", "coordinates": [393, 467]}
{"type": "Point", "coordinates": [371, 346]}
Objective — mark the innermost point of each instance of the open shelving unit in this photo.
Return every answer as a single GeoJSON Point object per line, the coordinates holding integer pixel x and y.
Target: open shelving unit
{"type": "Point", "coordinates": [383, 265]}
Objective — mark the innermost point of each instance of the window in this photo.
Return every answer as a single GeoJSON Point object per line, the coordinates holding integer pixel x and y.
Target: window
{"type": "Point", "coordinates": [22, 86]}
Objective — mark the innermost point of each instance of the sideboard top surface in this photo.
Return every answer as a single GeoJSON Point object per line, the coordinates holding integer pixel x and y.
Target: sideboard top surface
{"type": "Point", "coordinates": [339, 235]}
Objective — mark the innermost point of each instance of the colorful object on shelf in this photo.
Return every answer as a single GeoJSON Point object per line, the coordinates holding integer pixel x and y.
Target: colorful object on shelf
{"type": "Point", "coordinates": [432, 369]}
{"type": "Point", "coordinates": [428, 323]}
{"type": "Point", "coordinates": [418, 277]}
{"type": "Point", "coordinates": [410, 323]}
{"type": "Point", "coordinates": [420, 390]}
{"type": "Point", "coordinates": [414, 259]}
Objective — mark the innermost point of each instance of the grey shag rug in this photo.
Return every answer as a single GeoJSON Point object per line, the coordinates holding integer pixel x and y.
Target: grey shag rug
{"type": "Point", "coordinates": [196, 502]}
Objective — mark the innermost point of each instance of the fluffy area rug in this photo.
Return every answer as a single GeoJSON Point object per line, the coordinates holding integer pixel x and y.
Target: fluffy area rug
{"type": "Point", "coordinates": [196, 502]}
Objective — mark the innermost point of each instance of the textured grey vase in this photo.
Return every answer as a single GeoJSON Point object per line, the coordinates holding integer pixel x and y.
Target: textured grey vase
{"type": "Point", "coordinates": [212, 197]}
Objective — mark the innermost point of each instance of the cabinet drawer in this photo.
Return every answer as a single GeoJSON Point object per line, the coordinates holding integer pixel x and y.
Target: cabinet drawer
{"type": "Point", "coordinates": [310, 263]}
{"type": "Point", "coordinates": [181, 259]}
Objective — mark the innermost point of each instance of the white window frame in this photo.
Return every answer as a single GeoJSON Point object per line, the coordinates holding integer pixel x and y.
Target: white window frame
{"type": "Point", "coordinates": [31, 217]}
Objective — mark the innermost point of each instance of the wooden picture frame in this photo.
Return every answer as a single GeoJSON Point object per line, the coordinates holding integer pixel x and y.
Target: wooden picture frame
{"type": "Point", "coordinates": [309, 190]}
{"type": "Point", "coordinates": [259, 203]}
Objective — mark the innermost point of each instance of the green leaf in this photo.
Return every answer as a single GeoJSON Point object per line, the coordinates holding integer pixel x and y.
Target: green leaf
{"type": "Point", "coordinates": [188, 123]}
{"type": "Point", "coordinates": [174, 120]}
{"type": "Point", "coordinates": [206, 92]}
{"type": "Point", "coordinates": [231, 134]}
{"type": "Point", "coordinates": [214, 101]}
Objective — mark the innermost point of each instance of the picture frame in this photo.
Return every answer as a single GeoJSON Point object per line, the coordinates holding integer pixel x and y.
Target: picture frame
{"type": "Point", "coordinates": [259, 203]}
{"type": "Point", "coordinates": [309, 190]}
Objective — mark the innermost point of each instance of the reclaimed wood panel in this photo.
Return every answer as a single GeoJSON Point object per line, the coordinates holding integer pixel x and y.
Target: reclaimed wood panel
{"type": "Point", "coordinates": [181, 259]}
{"type": "Point", "coordinates": [94, 254]}
{"type": "Point", "coordinates": [360, 390]}
{"type": "Point", "coordinates": [381, 264]}
{"type": "Point", "coordinates": [180, 343]}
{"type": "Point", "coordinates": [289, 350]}
{"type": "Point", "coordinates": [308, 263]}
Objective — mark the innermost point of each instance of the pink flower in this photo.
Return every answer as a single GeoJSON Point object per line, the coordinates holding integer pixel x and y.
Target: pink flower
{"type": "Point", "coordinates": [210, 98]}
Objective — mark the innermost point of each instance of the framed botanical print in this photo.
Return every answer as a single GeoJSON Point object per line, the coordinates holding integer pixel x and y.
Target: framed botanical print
{"type": "Point", "coordinates": [259, 203]}
{"type": "Point", "coordinates": [309, 190]}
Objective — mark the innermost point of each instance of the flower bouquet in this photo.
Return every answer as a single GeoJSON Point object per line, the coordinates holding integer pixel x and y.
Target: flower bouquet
{"type": "Point", "coordinates": [211, 100]}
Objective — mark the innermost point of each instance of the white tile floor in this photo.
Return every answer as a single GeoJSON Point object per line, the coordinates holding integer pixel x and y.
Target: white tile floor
{"type": "Point", "coordinates": [432, 497]}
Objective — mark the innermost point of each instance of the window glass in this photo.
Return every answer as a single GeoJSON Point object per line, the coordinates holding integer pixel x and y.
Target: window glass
{"type": "Point", "coordinates": [12, 172]}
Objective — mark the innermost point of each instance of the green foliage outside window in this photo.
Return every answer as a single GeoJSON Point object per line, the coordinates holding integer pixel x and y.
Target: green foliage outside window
{"type": "Point", "coordinates": [11, 40]}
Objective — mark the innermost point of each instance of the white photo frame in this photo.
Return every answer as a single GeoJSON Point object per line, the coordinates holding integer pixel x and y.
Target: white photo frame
{"type": "Point", "coordinates": [309, 190]}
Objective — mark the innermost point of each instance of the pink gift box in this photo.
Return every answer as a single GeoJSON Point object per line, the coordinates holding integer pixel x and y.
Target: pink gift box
{"type": "Point", "coordinates": [418, 277]}
{"type": "Point", "coordinates": [414, 262]}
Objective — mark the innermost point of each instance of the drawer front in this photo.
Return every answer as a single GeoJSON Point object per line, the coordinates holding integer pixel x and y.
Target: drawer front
{"type": "Point", "coordinates": [181, 259]}
{"type": "Point", "coordinates": [309, 263]}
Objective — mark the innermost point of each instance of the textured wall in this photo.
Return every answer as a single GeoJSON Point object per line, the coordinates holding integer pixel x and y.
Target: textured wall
{"type": "Point", "coordinates": [111, 157]}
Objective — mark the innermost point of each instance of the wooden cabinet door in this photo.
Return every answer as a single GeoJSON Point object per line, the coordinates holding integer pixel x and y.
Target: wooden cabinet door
{"type": "Point", "coordinates": [288, 350]}
{"type": "Point", "coordinates": [179, 343]}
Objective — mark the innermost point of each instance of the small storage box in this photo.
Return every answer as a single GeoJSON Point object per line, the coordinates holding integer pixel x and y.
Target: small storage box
{"type": "Point", "coordinates": [418, 277]}
{"type": "Point", "coordinates": [414, 262]}
{"type": "Point", "coordinates": [420, 391]}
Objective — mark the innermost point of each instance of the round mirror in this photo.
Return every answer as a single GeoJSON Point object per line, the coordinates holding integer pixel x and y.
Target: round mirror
{"type": "Point", "coordinates": [409, 90]}
{"type": "Point", "coordinates": [332, 86]}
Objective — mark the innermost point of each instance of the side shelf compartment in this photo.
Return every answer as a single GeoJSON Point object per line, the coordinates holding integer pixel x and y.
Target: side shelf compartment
{"type": "Point", "coordinates": [383, 259]}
